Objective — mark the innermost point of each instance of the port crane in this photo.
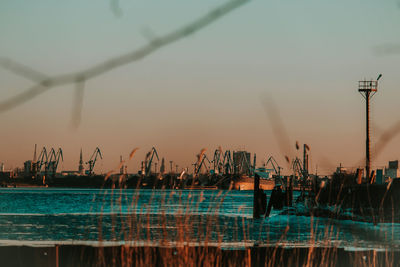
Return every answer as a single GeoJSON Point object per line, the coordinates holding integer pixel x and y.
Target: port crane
{"type": "Point", "coordinates": [93, 159]}
{"type": "Point", "coordinates": [297, 167]}
{"type": "Point", "coordinates": [149, 160]}
{"type": "Point", "coordinates": [217, 161]}
{"type": "Point", "coordinates": [42, 159]}
{"type": "Point", "coordinates": [302, 167]}
{"type": "Point", "coordinates": [54, 159]}
{"type": "Point", "coordinates": [200, 165]}
{"type": "Point", "coordinates": [228, 162]}
{"type": "Point", "coordinates": [275, 166]}
{"type": "Point", "coordinates": [243, 163]}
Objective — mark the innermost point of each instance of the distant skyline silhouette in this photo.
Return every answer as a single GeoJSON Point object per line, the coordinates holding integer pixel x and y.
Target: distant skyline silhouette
{"type": "Point", "coordinates": [205, 90]}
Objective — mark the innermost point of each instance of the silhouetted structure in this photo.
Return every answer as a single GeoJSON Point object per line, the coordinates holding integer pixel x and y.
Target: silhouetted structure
{"type": "Point", "coordinates": [368, 89]}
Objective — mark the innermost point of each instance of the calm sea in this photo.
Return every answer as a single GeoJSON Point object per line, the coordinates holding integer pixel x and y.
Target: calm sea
{"type": "Point", "coordinates": [43, 216]}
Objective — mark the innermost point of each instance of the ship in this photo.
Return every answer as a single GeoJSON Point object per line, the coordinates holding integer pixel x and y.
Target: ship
{"type": "Point", "coordinates": [267, 182]}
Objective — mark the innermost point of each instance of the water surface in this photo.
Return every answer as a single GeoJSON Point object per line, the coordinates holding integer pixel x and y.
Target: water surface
{"type": "Point", "coordinates": [171, 217]}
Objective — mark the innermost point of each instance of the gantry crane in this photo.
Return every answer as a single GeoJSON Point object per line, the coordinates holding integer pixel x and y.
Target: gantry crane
{"type": "Point", "coordinates": [277, 169]}
{"type": "Point", "coordinates": [42, 159]}
{"type": "Point", "coordinates": [297, 168]}
{"type": "Point", "coordinates": [228, 163]}
{"type": "Point", "coordinates": [93, 159]}
{"type": "Point", "coordinates": [217, 161]}
{"type": "Point", "coordinates": [198, 166]}
{"type": "Point", "coordinates": [54, 159]}
{"type": "Point", "coordinates": [149, 160]}
{"type": "Point", "coordinates": [243, 164]}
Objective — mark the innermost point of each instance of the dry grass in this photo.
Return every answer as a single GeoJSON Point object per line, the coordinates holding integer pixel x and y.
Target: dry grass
{"type": "Point", "coordinates": [186, 240]}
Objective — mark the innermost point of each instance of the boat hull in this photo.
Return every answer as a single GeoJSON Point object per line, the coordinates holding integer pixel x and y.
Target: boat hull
{"type": "Point", "coordinates": [247, 183]}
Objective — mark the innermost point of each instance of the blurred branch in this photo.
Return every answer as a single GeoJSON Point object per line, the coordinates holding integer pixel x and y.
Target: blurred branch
{"type": "Point", "coordinates": [383, 140]}
{"type": "Point", "coordinates": [281, 134]}
{"type": "Point", "coordinates": [78, 104]}
{"type": "Point", "coordinates": [278, 128]}
{"type": "Point", "coordinates": [22, 70]}
{"type": "Point", "coordinates": [48, 83]}
{"type": "Point", "coordinates": [115, 8]}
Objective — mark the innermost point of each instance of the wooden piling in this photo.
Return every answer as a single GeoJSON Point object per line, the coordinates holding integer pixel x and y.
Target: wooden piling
{"type": "Point", "coordinates": [57, 257]}
{"type": "Point", "coordinates": [256, 204]}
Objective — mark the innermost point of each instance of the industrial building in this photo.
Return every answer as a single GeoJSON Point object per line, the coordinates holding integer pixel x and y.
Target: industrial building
{"type": "Point", "coordinates": [393, 169]}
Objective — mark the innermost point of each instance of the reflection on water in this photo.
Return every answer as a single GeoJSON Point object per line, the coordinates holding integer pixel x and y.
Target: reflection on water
{"type": "Point", "coordinates": [171, 217]}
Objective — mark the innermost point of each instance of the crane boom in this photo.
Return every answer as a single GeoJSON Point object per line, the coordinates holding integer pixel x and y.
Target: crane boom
{"type": "Point", "coordinates": [57, 160]}
{"type": "Point", "coordinates": [149, 160]}
{"type": "Point", "coordinates": [93, 159]}
{"type": "Point", "coordinates": [51, 157]}
{"type": "Point", "coordinates": [217, 161]}
{"type": "Point", "coordinates": [227, 162]}
{"type": "Point", "coordinates": [275, 165]}
{"type": "Point", "coordinates": [199, 166]}
{"type": "Point", "coordinates": [53, 160]}
{"type": "Point", "coordinates": [42, 159]}
{"type": "Point", "coordinates": [244, 164]}
{"type": "Point", "coordinates": [297, 167]}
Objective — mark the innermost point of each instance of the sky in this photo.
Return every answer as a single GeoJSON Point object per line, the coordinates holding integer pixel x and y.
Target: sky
{"type": "Point", "coordinates": [208, 89]}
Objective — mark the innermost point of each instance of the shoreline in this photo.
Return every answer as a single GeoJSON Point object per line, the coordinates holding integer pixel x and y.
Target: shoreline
{"type": "Point", "coordinates": [81, 255]}
{"type": "Point", "coordinates": [178, 244]}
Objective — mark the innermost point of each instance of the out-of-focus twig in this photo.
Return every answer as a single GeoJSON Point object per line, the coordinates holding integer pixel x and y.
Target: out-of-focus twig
{"type": "Point", "coordinates": [278, 128]}
{"type": "Point", "coordinates": [22, 70]}
{"type": "Point", "coordinates": [69, 78]}
{"type": "Point", "coordinates": [133, 153]}
{"type": "Point", "coordinates": [383, 140]}
{"type": "Point", "coordinates": [78, 104]}
{"type": "Point", "coordinates": [115, 8]}
{"type": "Point", "coordinates": [281, 134]}
{"type": "Point", "coordinates": [200, 156]}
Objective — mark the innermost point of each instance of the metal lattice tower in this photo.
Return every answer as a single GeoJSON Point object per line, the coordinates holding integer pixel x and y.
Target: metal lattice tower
{"type": "Point", "coordinates": [368, 89]}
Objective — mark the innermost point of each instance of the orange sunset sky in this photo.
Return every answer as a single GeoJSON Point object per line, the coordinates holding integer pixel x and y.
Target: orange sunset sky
{"type": "Point", "coordinates": [208, 89]}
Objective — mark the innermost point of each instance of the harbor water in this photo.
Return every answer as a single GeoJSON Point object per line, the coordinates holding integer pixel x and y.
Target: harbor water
{"type": "Point", "coordinates": [43, 216]}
